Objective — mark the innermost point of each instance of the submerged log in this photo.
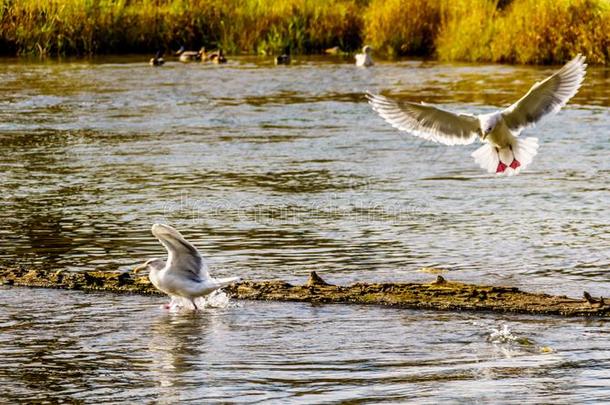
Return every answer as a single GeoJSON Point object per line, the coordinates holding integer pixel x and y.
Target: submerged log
{"type": "Point", "coordinates": [438, 295]}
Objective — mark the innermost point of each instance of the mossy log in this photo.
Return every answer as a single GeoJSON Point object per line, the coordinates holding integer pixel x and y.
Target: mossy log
{"type": "Point", "coordinates": [438, 295]}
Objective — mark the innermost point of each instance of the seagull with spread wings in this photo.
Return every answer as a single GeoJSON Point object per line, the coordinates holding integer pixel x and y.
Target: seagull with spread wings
{"type": "Point", "coordinates": [185, 274]}
{"type": "Point", "coordinates": [503, 152]}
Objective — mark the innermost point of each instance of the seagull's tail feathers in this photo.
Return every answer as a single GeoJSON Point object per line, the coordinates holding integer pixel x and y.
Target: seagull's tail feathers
{"type": "Point", "coordinates": [524, 151]}
{"type": "Point", "coordinates": [487, 157]}
{"type": "Point", "coordinates": [507, 161]}
{"type": "Point", "coordinates": [223, 282]}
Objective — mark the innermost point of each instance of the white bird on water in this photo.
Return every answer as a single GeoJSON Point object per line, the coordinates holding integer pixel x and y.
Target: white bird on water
{"type": "Point", "coordinates": [364, 59]}
{"type": "Point", "coordinates": [503, 152]}
{"type": "Point", "coordinates": [185, 274]}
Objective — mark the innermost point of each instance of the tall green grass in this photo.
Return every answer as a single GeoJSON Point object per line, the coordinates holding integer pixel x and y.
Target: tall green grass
{"type": "Point", "coordinates": [514, 31]}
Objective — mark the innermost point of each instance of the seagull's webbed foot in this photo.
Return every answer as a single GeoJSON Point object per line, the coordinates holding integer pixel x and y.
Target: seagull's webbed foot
{"type": "Point", "coordinates": [172, 304]}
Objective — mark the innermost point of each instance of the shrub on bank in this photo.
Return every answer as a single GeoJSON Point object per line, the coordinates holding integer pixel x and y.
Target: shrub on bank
{"type": "Point", "coordinates": [403, 27]}
{"type": "Point", "coordinates": [545, 31]}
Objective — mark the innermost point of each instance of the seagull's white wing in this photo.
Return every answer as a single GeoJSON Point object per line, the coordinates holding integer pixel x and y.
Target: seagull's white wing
{"type": "Point", "coordinates": [182, 257]}
{"type": "Point", "coordinates": [546, 97]}
{"type": "Point", "coordinates": [427, 121]}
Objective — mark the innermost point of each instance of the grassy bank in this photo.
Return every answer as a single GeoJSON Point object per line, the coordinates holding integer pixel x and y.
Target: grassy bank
{"type": "Point", "coordinates": [53, 27]}
{"type": "Point", "coordinates": [526, 31]}
{"type": "Point", "coordinates": [513, 31]}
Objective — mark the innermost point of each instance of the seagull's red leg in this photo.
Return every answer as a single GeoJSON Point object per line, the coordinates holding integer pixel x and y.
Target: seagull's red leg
{"type": "Point", "coordinates": [515, 163]}
{"type": "Point", "coordinates": [501, 166]}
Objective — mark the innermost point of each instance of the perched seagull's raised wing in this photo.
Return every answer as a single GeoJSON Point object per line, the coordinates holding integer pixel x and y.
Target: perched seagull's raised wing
{"type": "Point", "coordinates": [427, 121]}
{"type": "Point", "coordinates": [182, 257]}
{"type": "Point", "coordinates": [546, 97]}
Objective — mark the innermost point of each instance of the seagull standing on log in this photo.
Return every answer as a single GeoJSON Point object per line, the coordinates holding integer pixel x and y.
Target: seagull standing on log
{"type": "Point", "coordinates": [185, 274]}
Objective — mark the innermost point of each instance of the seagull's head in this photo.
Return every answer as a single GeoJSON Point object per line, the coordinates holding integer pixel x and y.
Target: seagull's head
{"type": "Point", "coordinates": [488, 123]}
{"type": "Point", "coordinates": [150, 265]}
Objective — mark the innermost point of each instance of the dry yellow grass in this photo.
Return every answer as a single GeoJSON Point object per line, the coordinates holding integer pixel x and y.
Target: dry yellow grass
{"type": "Point", "coordinates": [514, 31]}
{"type": "Point", "coordinates": [545, 31]}
{"type": "Point", "coordinates": [517, 31]}
{"type": "Point", "coordinates": [399, 27]}
{"type": "Point", "coordinates": [104, 26]}
{"type": "Point", "coordinates": [467, 30]}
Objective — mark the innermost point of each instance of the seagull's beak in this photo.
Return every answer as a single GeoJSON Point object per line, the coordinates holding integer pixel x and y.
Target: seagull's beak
{"type": "Point", "coordinates": [139, 268]}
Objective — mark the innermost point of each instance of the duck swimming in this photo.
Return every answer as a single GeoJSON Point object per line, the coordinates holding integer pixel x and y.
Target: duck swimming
{"type": "Point", "coordinates": [189, 56]}
{"type": "Point", "coordinates": [157, 60]}
{"type": "Point", "coordinates": [216, 57]}
{"type": "Point", "coordinates": [283, 59]}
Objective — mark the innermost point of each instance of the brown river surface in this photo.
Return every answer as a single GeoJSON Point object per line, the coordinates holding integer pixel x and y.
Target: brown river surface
{"type": "Point", "coordinates": [274, 172]}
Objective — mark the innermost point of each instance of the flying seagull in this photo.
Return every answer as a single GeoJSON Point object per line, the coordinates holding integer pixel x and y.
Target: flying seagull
{"type": "Point", "coordinates": [185, 274]}
{"type": "Point", "coordinates": [503, 152]}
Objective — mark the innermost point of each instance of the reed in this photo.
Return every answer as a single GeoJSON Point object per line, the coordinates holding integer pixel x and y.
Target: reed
{"type": "Point", "coordinates": [545, 31]}
{"type": "Point", "coordinates": [467, 30]}
{"type": "Point", "coordinates": [118, 26]}
{"type": "Point", "coordinates": [514, 31]}
{"type": "Point", "coordinates": [403, 27]}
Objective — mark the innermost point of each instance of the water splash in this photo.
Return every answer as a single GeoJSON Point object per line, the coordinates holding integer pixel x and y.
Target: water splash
{"type": "Point", "coordinates": [217, 299]}
{"type": "Point", "coordinates": [502, 335]}
{"type": "Point", "coordinates": [505, 336]}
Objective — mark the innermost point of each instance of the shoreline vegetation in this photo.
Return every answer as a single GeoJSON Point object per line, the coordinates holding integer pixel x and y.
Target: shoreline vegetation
{"type": "Point", "coordinates": [439, 295]}
{"type": "Point", "coordinates": [505, 31]}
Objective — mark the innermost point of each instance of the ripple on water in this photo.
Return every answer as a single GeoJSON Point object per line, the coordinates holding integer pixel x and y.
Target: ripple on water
{"type": "Point", "coordinates": [275, 173]}
{"type": "Point", "coordinates": [105, 348]}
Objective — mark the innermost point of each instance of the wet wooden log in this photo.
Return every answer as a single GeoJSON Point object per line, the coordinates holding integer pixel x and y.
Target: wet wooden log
{"type": "Point", "coordinates": [438, 295]}
{"type": "Point", "coordinates": [86, 281]}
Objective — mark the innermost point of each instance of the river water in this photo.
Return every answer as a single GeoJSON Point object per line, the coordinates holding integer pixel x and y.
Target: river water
{"type": "Point", "coordinates": [274, 172]}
